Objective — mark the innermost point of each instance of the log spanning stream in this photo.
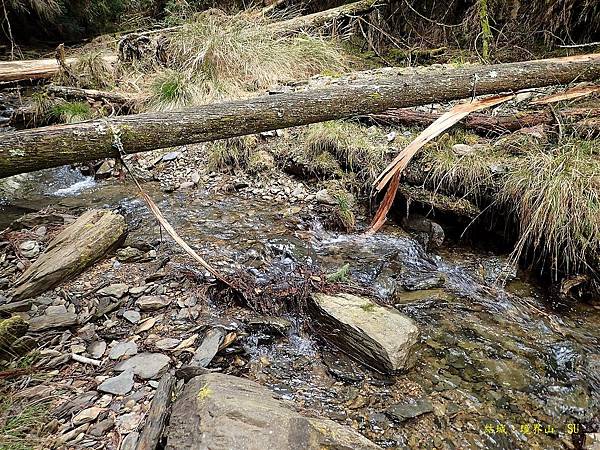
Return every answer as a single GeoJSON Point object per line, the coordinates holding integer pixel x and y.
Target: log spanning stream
{"type": "Point", "coordinates": [493, 368]}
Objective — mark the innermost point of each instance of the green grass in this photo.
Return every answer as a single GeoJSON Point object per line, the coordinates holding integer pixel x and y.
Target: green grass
{"type": "Point", "coordinates": [344, 212]}
{"type": "Point", "coordinates": [171, 90]}
{"type": "Point", "coordinates": [21, 423]}
{"type": "Point", "coordinates": [340, 275]}
{"type": "Point", "coordinates": [231, 153]}
{"type": "Point", "coordinates": [71, 112]}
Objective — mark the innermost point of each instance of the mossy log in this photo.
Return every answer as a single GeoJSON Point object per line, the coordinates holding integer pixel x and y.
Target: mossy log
{"type": "Point", "coordinates": [77, 247]}
{"type": "Point", "coordinates": [78, 93]}
{"type": "Point", "coordinates": [488, 124]}
{"type": "Point", "coordinates": [30, 150]}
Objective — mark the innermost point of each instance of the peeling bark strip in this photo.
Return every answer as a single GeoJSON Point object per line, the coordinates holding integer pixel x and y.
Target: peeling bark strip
{"type": "Point", "coordinates": [30, 150]}
{"type": "Point", "coordinates": [35, 69]}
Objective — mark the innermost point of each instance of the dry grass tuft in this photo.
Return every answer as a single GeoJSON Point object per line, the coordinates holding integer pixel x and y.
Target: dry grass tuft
{"type": "Point", "coordinates": [231, 153]}
{"type": "Point", "coordinates": [171, 90]}
{"type": "Point", "coordinates": [556, 199]}
{"type": "Point", "coordinates": [234, 56]}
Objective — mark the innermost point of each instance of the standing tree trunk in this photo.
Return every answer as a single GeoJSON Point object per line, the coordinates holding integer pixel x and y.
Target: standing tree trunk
{"type": "Point", "coordinates": [29, 150]}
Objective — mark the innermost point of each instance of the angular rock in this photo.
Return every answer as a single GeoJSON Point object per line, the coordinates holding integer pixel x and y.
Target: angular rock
{"type": "Point", "coordinates": [87, 415]}
{"type": "Point", "coordinates": [129, 348]}
{"type": "Point", "coordinates": [29, 249]}
{"type": "Point", "coordinates": [73, 250]}
{"type": "Point", "coordinates": [379, 337]}
{"type": "Point", "coordinates": [167, 343]}
{"type": "Point", "coordinates": [99, 429]}
{"type": "Point", "coordinates": [117, 290]}
{"type": "Point", "coordinates": [130, 441]}
{"type": "Point", "coordinates": [47, 322]}
{"type": "Point", "coordinates": [145, 365]}
{"type": "Point", "coordinates": [222, 412]}
{"type": "Point", "coordinates": [96, 349]}
{"type": "Point", "coordinates": [406, 411]}
{"type": "Point", "coordinates": [153, 302]}
{"type": "Point", "coordinates": [132, 316]}
{"type": "Point", "coordinates": [119, 385]}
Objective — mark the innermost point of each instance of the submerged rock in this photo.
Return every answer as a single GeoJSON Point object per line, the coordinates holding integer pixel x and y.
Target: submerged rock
{"type": "Point", "coordinates": [377, 336]}
{"type": "Point", "coordinates": [221, 412]}
{"type": "Point", "coordinates": [406, 411]}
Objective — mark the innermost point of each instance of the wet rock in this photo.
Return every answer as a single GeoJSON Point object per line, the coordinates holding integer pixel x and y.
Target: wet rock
{"type": "Point", "coordinates": [129, 348]}
{"type": "Point", "coordinates": [422, 281]}
{"type": "Point", "coordinates": [117, 290]}
{"type": "Point", "coordinates": [132, 316]}
{"type": "Point", "coordinates": [405, 411]}
{"type": "Point", "coordinates": [101, 428]}
{"type": "Point", "coordinates": [432, 233]}
{"type": "Point", "coordinates": [145, 365]}
{"type": "Point", "coordinates": [105, 169]}
{"type": "Point", "coordinates": [592, 441]}
{"type": "Point", "coordinates": [270, 324]}
{"type": "Point", "coordinates": [153, 302]}
{"type": "Point", "coordinates": [119, 385]}
{"type": "Point", "coordinates": [29, 249]}
{"type": "Point", "coordinates": [221, 412]}
{"type": "Point", "coordinates": [96, 349]}
{"type": "Point", "coordinates": [342, 367]}
{"type": "Point", "coordinates": [47, 322]}
{"type": "Point", "coordinates": [208, 348]}
{"type": "Point", "coordinates": [377, 336]}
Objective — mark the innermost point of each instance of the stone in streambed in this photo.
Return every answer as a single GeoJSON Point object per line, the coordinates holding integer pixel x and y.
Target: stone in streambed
{"type": "Point", "coordinates": [117, 290]}
{"type": "Point", "coordinates": [380, 337]}
{"type": "Point", "coordinates": [153, 302]}
{"type": "Point", "coordinates": [221, 412]}
{"type": "Point", "coordinates": [406, 411]}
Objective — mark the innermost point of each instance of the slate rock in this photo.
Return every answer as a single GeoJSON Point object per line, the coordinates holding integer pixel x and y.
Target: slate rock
{"type": "Point", "coordinates": [405, 411]}
{"type": "Point", "coordinates": [47, 322]}
{"type": "Point", "coordinates": [119, 385]}
{"type": "Point", "coordinates": [222, 412]}
{"type": "Point", "coordinates": [132, 316]}
{"type": "Point", "coordinates": [116, 290]}
{"type": "Point", "coordinates": [128, 348]}
{"type": "Point", "coordinates": [153, 302]}
{"type": "Point", "coordinates": [374, 335]}
{"type": "Point", "coordinates": [96, 349]}
{"type": "Point", "coordinates": [145, 365]}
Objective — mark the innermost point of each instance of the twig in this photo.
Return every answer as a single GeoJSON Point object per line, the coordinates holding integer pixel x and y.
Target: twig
{"type": "Point", "coordinates": [589, 44]}
{"type": "Point", "coordinates": [84, 360]}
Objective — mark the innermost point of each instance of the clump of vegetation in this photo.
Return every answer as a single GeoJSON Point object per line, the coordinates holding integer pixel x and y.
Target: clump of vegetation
{"type": "Point", "coordinates": [21, 423]}
{"type": "Point", "coordinates": [71, 112]}
{"type": "Point", "coordinates": [171, 90]}
{"type": "Point", "coordinates": [231, 153]}
{"type": "Point", "coordinates": [93, 71]}
{"type": "Point", "coordinates": [344, 214]}
{"type": "Point", "coordinates": [353, 146]}
{"type": "Point", "coordinates": [233, 56]}
{"type": "Point", "coordinates": [341, 275]}
{"type": "Point", "coordinates": [556, 200]}
{"type": "Point", "coordinates": [470, 174]}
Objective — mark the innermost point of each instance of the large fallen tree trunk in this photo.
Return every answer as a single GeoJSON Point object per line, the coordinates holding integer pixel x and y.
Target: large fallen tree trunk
{"type": "Point", "coordinates": [36, 69]}
{"type": "Point", "coordinates": [29, 150]}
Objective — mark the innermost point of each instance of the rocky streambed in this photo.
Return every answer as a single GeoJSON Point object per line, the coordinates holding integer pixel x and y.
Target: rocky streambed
{"type": "Point", "coordinates": [450, 349]}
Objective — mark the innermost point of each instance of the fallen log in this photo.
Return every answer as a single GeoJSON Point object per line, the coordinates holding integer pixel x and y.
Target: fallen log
{"type": "Point", "coordinates": [30, 150]}
{"type": "Point", "coordinates": [73, 250]}
{"type": "Point", "coordinates": [78, 93]}
{"type": "Point", "coordinates": [486, 123]}
{"type": "Point", "coordinates": [322, 18]}
{"type": "Point", "coordinates": [36, 69]}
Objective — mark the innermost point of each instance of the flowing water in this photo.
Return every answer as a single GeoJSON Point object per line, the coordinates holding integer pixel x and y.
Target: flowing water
{"type": "Point", "coordinates": [499, 366]}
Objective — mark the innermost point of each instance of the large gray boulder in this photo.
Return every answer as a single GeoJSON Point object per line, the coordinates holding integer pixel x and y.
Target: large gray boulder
{"type": "Point", "coordinates": [223, 412]}
{"type": "Point", "coordinates": [379, 337]}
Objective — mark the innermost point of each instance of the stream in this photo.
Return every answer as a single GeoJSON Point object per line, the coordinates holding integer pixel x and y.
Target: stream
{"type": "Point", "coordinates": [499, 367]}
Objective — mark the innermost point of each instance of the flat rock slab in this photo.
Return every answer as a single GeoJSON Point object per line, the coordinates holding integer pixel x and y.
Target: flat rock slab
{"type": "Point", "coordinates": [145, 365]}
{"type": "Point", "coordinates": [73, 250]}
{"type": "Point", "coordinates": [380, 337]}
{"type": "Point", "coordinates": [49, 321]}
{"type": "Point", "coordinates": [119, 385]}
{"type": "Point", "coordinates": [123, 349]}
{"type": "Point", "coordinates": [116, 290]}
{"type": "Point", "coordinates": [405, 411]}
{"type": "Point", "coordinates": [223, 412]}
{"type": "Point", "coordinates": [153, 302]}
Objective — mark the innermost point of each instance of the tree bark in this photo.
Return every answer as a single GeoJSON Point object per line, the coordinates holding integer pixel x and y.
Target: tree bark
{"type": "Point", "coordinates": [486, 123]}
{"type": "Point", "coordinates": [30, 150]}
{"type": "Point", "coordinates": [319, 19]}
{"type": "Point", "coordinates": [35, 69]}
{"type": "Point", "coordinates": [157, 415]}
{"type": "Point", "coordinates": [78, 93]}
